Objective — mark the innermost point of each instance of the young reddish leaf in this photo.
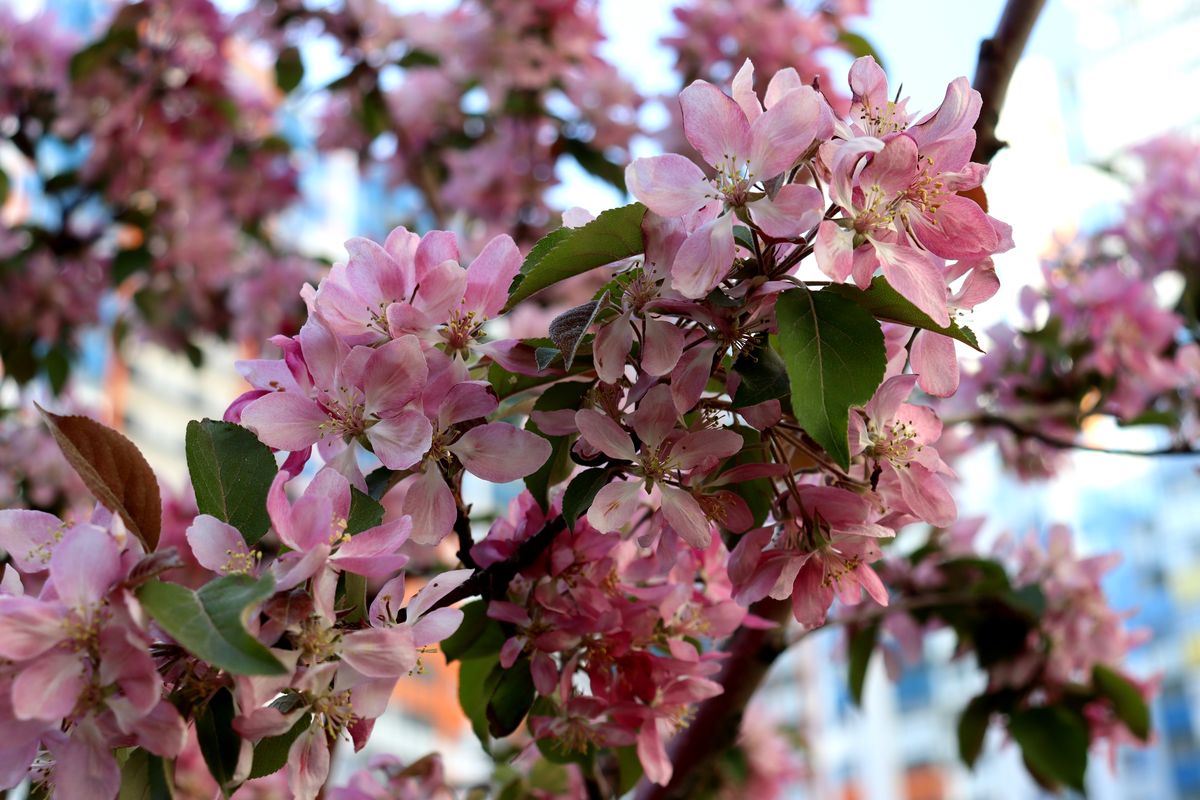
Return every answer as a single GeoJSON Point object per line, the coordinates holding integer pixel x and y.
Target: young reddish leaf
{"type": "Point", "coordinates": [114, 470]}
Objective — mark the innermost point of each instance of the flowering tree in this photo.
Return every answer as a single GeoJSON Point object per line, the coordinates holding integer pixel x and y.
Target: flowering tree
{"type": "Point", "coordinates": [722, 440]}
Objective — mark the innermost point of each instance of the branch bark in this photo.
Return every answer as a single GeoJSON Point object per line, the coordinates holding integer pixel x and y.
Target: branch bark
{"type": "Point", "coordinates": [992, 421]}
{"type": "Point", "coordinates": [715, 728]}
{"type": "Point", "coordinates": [998, 57]}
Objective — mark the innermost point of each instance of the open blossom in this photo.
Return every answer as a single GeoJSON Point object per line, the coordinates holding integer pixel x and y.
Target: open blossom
{"type": "Point", "coordinates": [76, 655]}
{"type": "Point", "coordinates": [746, 147]}
{"type": "Point", "coordinates": [344, 393]}
{"type": "Point", "coordinates": [897, 437]}
{"type": "Point", "coordinates": [899, 187]}
{"type": "Point", "coordinates": [665, 453]}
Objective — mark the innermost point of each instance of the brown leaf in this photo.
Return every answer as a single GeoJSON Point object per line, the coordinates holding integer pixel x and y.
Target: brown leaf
{"type": "Point", "coordinates": [114, 470]}
{"type": "Point", "coordinates": [978, 195]}
{"type": "Point", "coordinates": [568, 329]}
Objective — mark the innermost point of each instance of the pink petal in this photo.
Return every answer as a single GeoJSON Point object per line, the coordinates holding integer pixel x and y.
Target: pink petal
{"type": "Point", "coordinates": [490, 275]}
{"type": "Point", "coordinates": [781, 135]}
{"type": "Point", "coordinates": [705, 447]}
{"type": "Point", "coordinates": [655, 417]}
{"type": "Point", "coordinates": [926, 495]}
{"type": "Point", "coordinates": [833, 250]}
{"type": "Point", "coordinates": [669, 185]}
{"type": "Point", "coordinates": [431, 507]}
{"type": "Point", "coordinates": [935, 363]}
{"type": "Point", "coordinates": [217, 545]}
{"type": "Point", "coordinates": [685, 516]}
{"type": "Point", "coordinates": [28, 536]}
{"type": "Point", "coordinates": [435, 590]}
{"type": "Point", "coordinates": [954, 118]}
{"type": "Point", "coordinates": [85, 565]}
{"type": "Point", "coordinates": [981, 284]}
{"type": "Point", "coordinates": [374, 553]}
{"type": "Point", "coordinates": [308, 764]}
{"type": "Point", "coordinates": [395, 375]}
{"type": "Point", "coordinates": [893, 169]}
{"type": "Point", "coordinates": [653, 754]}
{"type": "Point", "coordinates": [162, 731]}
{"type": "Point", "coordinates": [467, 400]}
{"type": "Point", "coordinates": [796, 209]}
{"type": "Point", "coordinates": [611, 349]}
{"type": "Point", "coordinates": [401, 441]}
{"type": "Point", "coordinates": [605, 435]}
{"type": "Point", "coordinates": [959, 228]}
{"type": "Point", "coordinates": [782, 82]}
{"type": "Point", "coordinates": [441, 291]}
{"type": "Point", "coordinates": [388, 601]}
{"type": "Point", "coordinates": [614, 505]}
{"type": "Point", "coordinates": [661, 347]}
{"type": "Point", "coordinates": [285, 421]}
{"type": "Point", "coordinates": [811, 598]}
{"type": "Point", "coordinates": [436, 626]}
{"type": "Point", "coordinates": [436, 247]}
{"type": "Point", "coordinates": [29, 627]}
{"type": "Point", "coordinates": [868, 82]}
{"type": "Point", "coordinates": [704, 259]}
{"type": "Point", "coordinates": [48, 687]}
{"type": "Point", "coordinates": [743, 92]}
{"type": "Point", "coordinates": [714, 124]}
{"type": "Point", "coordinates": [691, 376]}
{"type": "Point", "coordinates": [84, 767]}
{"type": "Point", "coordinates": [913, 275]}
{"type": "Point", "coordinates": [500, 452]}
{"type": "Point", "coordinates": [883, 406]}
{"type": "Point", "coordinates": [380, 652]}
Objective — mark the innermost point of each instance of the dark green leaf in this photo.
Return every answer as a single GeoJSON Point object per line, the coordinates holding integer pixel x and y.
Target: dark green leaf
{"type": "Point", "coordinates": [545, 356]}
{"type": "Point", "coordinates": [887, 304]}
{"type": "Point", "coordinates": [3, 186]}
{"type": "Point", "coordinates": [418, 58]}
{"type": "Point", "coordinates": [558, 467]}
{"type": "Point", "coordinates": [972, 728]}
{"type": "Point", "coordinates": [835, 359]}
{"type": "Point", "coordinates": [478, 635]}
{"type": "Point", "coordinates": [630, 768]}
{"type": "Point", "coordinates": [211, 623]}
{"type": "Point", "coordinates": [271, 753]}
{"type": "Point", "coordinates": [1054, 743]}
{"type": "Point", "coordinates": [144, 777]}
{"type": "Point", "coordinates": [380, 481]}
{"type": "Point", "coordinates": [289, 69]}
{"type": "Point", "coordinates": [764, 376]}
{"type": "Point", "coordinates": [58, 368]}
{"type": "Point", "coordinates": [1127, 700]}
{"type": "Point", "coordinates": [365, 512]}
{"type": "Point", "coordinates": [511, 699]}
{"type": "Point", "coordinates": [477, 677]}
{"type": "Point", "coordinates": [219, 744]}
{"type": "Point", "coordinates": [581, 491]}
{"type": "Point", "coordinates": [862, 645]}
{"type": "Point", "coordinates": [612, 236]}
{"type": "Point", "coordinates": [129, 262]}
{"type": "Point", "coordinates": [231, 473]}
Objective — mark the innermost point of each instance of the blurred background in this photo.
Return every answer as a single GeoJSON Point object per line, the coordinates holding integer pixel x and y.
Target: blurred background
{"type": "Point", "coordinates": [1098, 77]}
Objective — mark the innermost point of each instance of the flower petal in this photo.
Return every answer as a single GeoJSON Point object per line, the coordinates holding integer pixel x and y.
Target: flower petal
{"type": "Point", "coordinates": [669, 185]}
{"type": "Point", "coordinates": [714, 124]}
{"type": "Point", "coordinates": [489, 276]}
{"type": "Point", "coordinates": [401, 441]}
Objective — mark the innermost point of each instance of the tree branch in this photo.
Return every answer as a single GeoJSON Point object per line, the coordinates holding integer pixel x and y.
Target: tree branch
{"type": "Point", "coordinates": [718, 720]}
{"type": "Point", "coordinates": [993, 421]}
{"type": "Point", "coordinates": [998, 57]}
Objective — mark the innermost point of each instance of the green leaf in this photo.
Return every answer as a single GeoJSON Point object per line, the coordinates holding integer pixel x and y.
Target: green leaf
{"type": "Point", "coordinates": [629, 767]}
{"type": "Point", "coordinates": [219, 744]}
{"type": "Point", "coordinates": [558, 467]}
{"type": "Point", "coordinates": [887, 304]}
{"type": "Point", "coordinates": [862, 645]}
{"type": "Point", "coordinates": [211, 623]}
{"type": "Point", "coordinates": [477, 636]}
{"type": "Point", "coordinates": [418, 58]}
{"type": "Point", "coordinates": [4, 184]}
{"type": "Point", "coordinates": [477, 677]}
{"type": "Point", "coordinates": [581, 492]}
{"type": "Point", "coordinates": [129, 262]}
{"type": "Point", "coordinates": [858, 47]}
{"type": "Point", "coordinates": [381, 480]}
{"type": "Point", "coordinates": [365, 512]}
{"type": "Point", "coordinates": [510, 699]}
{"type": "Point", "coordinates": [545, 356]}
{"type": "Point", "coordinates": [612, 236]}
{"type": "Point", "coordinates": [144, 777]}
{"type": "Point", "coordinates": [568, 329]}
{"type": "Point", "coordinates": [271, 753]}
{"type": "Point", "coordinates": [592, 159]}
{"type": "Point", "coordinates": [1127, 701]}
{"type": "Point", "coordinates": [835, 359]}
{"type": "Point", "coordinates": [1054, 743]}
{"type": "Point", "coordinates": [231, 474]}
{"type": "Point", "coordinates": [58, 368]}
{"type": "Point", "coordinates": [972, 728]}
{"type": "Point", "coordinates": [289, 69]}
{"type": "Point", "coordinates": [764, 376]}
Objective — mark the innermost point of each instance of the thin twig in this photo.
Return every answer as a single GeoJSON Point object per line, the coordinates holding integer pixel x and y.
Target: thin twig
{"type": "Point", "coordinates": [993, 421]}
